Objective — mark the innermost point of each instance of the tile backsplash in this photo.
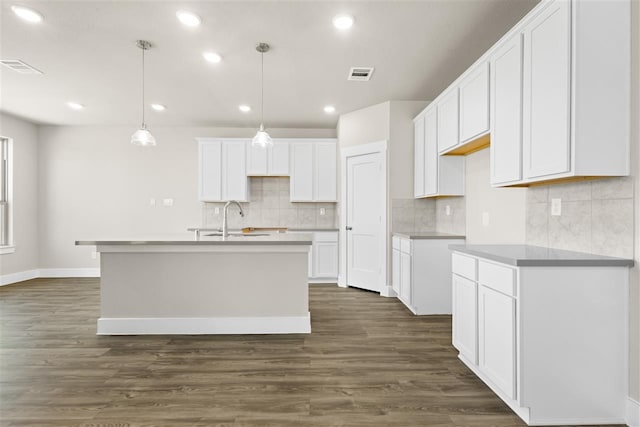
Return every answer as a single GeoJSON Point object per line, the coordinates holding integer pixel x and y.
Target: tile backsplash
{"type": "Point", "coordinates": [455, 220]}
{"type": "Point", "coordinates": [413, 215]}
{"type": "Point", "coordinates": [596, 216]}
{"type": "Point", "coordinates": [269, 206]}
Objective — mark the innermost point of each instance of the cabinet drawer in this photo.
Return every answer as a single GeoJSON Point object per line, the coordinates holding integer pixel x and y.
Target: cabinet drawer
{"type": "Point", "coordinates": [497, 277]}
{"type": "Point", "coordinates": [405, 246]}
{"type": "Point", "coordinates": [396, 242]}
{"type": "Point", "coordinates": [325, 236]}
{"type": "Point", "coordinates": [463, 266]}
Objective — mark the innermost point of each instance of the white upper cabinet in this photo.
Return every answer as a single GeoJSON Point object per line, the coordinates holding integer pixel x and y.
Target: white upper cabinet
{"type": "Point", "coordinates": [434, 175]}
{"type": "Point", "coordinates": [506, 112]}
{"type": "Point", "coordinates": [448, 120]}
{"type": "Point", "coordinates": [313, 171]}
{"type": "Point", "coordinates": [418, 157]}
{"type": "Point", "coordinates": [222, 170]}
{"type": "Point", "coordinates": [547, 92]}
{"type": "Point", "coordinates": [576, 86]}
{"type": "Point", "coordinates": [474, 104]}
{"type": "Point", "coordinates": [551, 98]}
{"type": "Point", "coordinates": [272, 161]}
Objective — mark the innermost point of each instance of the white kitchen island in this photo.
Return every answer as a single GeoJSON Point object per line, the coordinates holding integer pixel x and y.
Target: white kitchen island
{"type": "Point", "coordinates": [179, 285]}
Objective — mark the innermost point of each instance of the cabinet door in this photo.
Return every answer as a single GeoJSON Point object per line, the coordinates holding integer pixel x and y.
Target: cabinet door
{"type": "Point", "coordinates": [325, 188]}
{"type": "Point", "coordinates": [405, 277]}
{"type": "Point", "coordinates": [506, 116]}
{"type": "Point", "coordinates": [395, 269]}
{"type": "Point", "coordinates": [301, 182]}
{"type": "Point", "coordinates": [474, 104]}
{"type": "Point", "coordinates": [256, 160]}
{"type": "Point", "coordinates": [234, 171]}
{"type": "Point", "coordinates": [431, 157]}
{"type": "Point", "coordinates": [546, 107]}
{"type": "Point", "coordinates": [279, 159]}
{"type": "Point", "coordinates": [465, 320]}
{"type": "Point", "coordinates": [209, 168]}
{"type": "Point", "coordinates": [325, 261]}
{"type": "Point", "coordinates": [448, 120]}
{"type": "Point", "coordinates": [497, 339]}
{"type": "Point", "coordinates": [418, 157]}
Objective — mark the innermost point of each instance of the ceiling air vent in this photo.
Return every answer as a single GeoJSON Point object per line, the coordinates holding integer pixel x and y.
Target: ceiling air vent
{"type": "Point", "coordinates": [360, 74]}
{"type": "Point", "coordinates": [19, 66]}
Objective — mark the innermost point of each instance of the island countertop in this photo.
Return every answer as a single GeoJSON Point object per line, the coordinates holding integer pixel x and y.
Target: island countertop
{"type": "Point", "coordinates": [538, 256]}
{"type": "Point", "coordinates": [187, 239]}
{"type": "Point", "coordinates": [426, 235]}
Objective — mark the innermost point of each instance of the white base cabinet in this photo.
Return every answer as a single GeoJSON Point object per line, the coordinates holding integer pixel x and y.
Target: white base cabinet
{"type": "Point", "coordinates": [550, 341]}
{"type": "Point", "coordinates": [323, 256]}
{"type": "Point", "coordinates": [421, 273]}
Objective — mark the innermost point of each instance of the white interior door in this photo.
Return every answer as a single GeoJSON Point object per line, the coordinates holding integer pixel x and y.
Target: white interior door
{"type": "Point", "coordinates": [364, 227]}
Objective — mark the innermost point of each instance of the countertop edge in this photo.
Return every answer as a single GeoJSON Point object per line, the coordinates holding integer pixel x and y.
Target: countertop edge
{"type": "Point", "coordinates": [192, 243]}
{"type": "Point", "coordinates": [604, 261]}
{"type": "Point", "coordinates": [427, 236]}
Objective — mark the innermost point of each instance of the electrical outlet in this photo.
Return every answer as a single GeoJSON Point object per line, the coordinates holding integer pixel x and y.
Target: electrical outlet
{"type": "Point", "coordinates": [167, 202]}
{"type": "Point", "coordinates": [94, 255]}
{"type": "Point", "coordinates": [216, 211]}
{"type": "Point", "coordinates": [485, 219]}
{"type": "Point", "coordinates": [447, 210]}
{"type": "Point", "coordinates": [323, 211]}
{"type": "Point", "coordinates": [152, 202]}
{"type": "Point", "coordinates": [556, 207]}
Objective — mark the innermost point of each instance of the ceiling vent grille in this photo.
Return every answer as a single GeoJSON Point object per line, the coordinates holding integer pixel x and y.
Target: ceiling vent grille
{"type": "Point", "coordinates": [360, 74]}
{"type": "Point", "coordinates": [19, 66]}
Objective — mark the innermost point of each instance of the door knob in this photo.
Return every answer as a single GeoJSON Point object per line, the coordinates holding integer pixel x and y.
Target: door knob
{"type": "Point", "coordinates": [349, 228]}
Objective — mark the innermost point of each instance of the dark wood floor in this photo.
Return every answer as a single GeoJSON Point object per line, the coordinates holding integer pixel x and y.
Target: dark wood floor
{"type": "Point", "coordinates": [368, 362]}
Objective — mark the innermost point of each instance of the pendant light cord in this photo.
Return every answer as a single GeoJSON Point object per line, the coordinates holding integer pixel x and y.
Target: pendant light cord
{"type": "Point", "coordinates": [262, 88]}
{"type": "Point", "coordinates": [143, 49]}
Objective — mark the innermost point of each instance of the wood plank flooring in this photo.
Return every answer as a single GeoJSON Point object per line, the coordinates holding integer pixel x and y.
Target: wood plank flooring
{"type": "Point", "coordinates": [368, 362]}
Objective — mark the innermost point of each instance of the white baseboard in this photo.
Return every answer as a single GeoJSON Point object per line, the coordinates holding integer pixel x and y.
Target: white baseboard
{"type": "Point", "coordinates": [205, 325]}
{"type": "Point", "coordinates": [633, 413]}
{"type": "Point", "coordinates": [8, 279]}
{"type": "Point", "coordinates": [69, 272]}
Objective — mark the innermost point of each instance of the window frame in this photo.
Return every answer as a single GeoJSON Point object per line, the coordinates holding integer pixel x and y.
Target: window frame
{"type": "Point", "coordinates": [6, 193]}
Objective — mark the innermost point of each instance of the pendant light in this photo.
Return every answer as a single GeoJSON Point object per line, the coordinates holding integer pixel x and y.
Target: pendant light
{"type": "Point", "coordinates": [262, 138]}
{"type": "Point", "coordinates": [142, 136]}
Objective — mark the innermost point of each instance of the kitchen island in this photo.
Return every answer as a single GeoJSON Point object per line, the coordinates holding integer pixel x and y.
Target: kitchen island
{"type": "Point", "coordinates": [213, 285]}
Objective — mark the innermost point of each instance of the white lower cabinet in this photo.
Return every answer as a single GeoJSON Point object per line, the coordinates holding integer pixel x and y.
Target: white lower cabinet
{"type": "Point", "coordinates": [421, 269]}
{"type": "Point", "coordinates": [465, 318]}
{"type": "Point", "coordinates": [497, 338]}
{"type": "Point", "coordinates": [549, 340]}
{"type": "Point", "coordinates": [323, 256]}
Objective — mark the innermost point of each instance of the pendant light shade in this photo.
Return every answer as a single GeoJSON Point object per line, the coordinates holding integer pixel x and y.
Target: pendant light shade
{"type": "Point", "coordinates": [262, 138]}
{"type": "Point", "coordinates": [142, 136]}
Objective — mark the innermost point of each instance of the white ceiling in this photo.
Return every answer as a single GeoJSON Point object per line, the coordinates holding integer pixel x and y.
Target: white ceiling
{"type": "Point", "coordinates": [87, 52]}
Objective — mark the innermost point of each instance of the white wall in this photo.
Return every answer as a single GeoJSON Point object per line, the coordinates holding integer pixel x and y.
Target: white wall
{"type": "Point", "coordinates": [25, 195]}
{"type": "Point", "coordinates": [505, 206]}
{"type": "Point", "coordinates": [634, 294]}
{"type": "Point", "coordinates": [371, 124]}
{"type": "Point", "coordinates": [94, 184]}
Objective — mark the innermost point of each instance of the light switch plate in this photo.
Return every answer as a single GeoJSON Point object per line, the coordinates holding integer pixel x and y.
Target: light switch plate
{"type": "Point", "coordinates": [216, 211]}
{"type": "Point", "coordinates": [323, 211]}
{"type": "Point", "coordinates": [152, 202]}
{"type": "Point", "coordinates": [447, 210]}
{"type": "Point", "coordinates": [167, 202]}
{"type": "Point", "coordinates": [556, 207]}
{"type": "Point", "coordinates": [485, 219]}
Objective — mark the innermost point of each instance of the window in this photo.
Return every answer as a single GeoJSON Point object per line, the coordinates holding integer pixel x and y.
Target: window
{"type": "Point", "coordinates": [5, 196]}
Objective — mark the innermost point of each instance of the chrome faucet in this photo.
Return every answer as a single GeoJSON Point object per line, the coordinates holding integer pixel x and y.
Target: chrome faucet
{"type": "Point", "coordinates": [225, 230]}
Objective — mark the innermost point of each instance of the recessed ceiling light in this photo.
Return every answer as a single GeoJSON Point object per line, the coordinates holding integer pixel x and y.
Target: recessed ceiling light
{"type": "Point", "coordinates": [75, 105]}
{"type": "Point", "coordinates": [343, 22]}
{"type": "Point", "coordinates": [244, 108]}
{"type": "Point", "coordinates": [188, 18]}
{"type": "Point", "coordinates": [212, 57]}
{"type": "Point", "coordinates": [27, 14]}
{"type": "Point", "coordinates": [329, 109]}
{"type": "Point", "coordinates": [158, 107]}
